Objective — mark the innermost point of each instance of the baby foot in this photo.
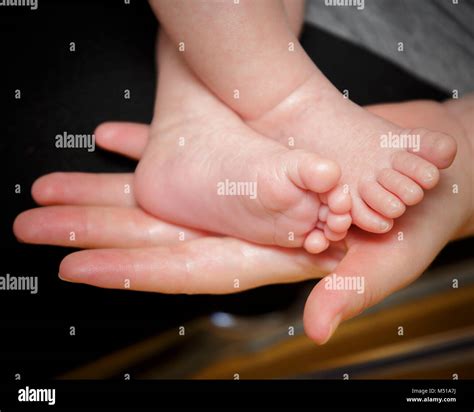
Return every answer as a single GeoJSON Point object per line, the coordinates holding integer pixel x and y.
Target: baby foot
{"type": "Point", "coordinates": [444, 215]}
{"type": "Point", "coordinates": [385, 168]}
{"type": "Point", "coordinates": [214, 173]}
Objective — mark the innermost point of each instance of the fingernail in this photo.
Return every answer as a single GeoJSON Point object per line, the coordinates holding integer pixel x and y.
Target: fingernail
{"type": "Point", "coordinates": [430, 174]}
{"type": "Point", "coordinates": [332, 328]}
{"type": "Point", "coordinates": [395, 205]}
{"type": "Point", "coordinates": [384, 226]}
{"type": "Point", "coordinates": [63, 279]}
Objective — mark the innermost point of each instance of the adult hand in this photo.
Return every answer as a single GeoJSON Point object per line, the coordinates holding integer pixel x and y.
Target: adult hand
{"type": "Point", "coordinates": [149, 253]}
{"type": "Point", "coordinates": [130, 248]}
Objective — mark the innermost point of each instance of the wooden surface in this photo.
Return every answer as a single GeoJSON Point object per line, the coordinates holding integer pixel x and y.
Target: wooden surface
{"type": "Point", "coordinates": [437, 342]}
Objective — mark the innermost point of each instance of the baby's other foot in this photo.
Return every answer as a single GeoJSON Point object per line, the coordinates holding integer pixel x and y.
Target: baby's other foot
{"type": "Point", "coordinates": [385, 168]}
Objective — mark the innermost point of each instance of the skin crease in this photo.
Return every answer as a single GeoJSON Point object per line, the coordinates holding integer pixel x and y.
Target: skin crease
{"type": "Point", "coordinates": [191, 266]}
{"type": "Point", "coordinates": [253, 39]}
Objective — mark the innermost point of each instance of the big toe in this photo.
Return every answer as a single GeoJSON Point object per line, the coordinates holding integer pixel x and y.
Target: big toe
{"type": "Point", "coordinates": [435, 147]}
{"type": "Point", "coordinates": [311, 172]}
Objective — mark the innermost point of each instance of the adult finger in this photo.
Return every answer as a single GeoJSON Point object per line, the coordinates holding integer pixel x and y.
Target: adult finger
{"type": "Point", "coordinates": [206, 265]}
{"type": "Point", "coordinates": [97, 227]}
{"type": "Point", "coordinates": [91, 189]}
{"type": "Point", "coordinates": [374, 267]}
{"type": "Point", "coordinates": [125, 138]}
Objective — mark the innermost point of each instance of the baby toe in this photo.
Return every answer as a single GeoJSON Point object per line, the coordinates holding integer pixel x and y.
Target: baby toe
{"type": "Point", "coordinates": [316, 242]}
{"type": "Point", "coordinates": [367, 219]}
{"type": "Point", "coordinates": [339, 223]}
{"type": "Point", "coordinates": [334, 236]}
{"type": "Point", "coordinates": [339, 199]}
{"type": "Point", "coordinates": [381, 200]}
{"type": "Point", "coordinates": [405, 188]}
{"type": "Point", "coordinates": [323, 213]}
{"type": "Point", "coordinates": [421, 171]}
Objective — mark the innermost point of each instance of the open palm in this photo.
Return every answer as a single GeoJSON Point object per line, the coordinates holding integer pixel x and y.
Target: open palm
{"type": "Point", "coordinates": [128, 248]}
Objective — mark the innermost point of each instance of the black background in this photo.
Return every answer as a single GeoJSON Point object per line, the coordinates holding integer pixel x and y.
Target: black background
{"type": "Point", "coordinates": [74, 92]}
